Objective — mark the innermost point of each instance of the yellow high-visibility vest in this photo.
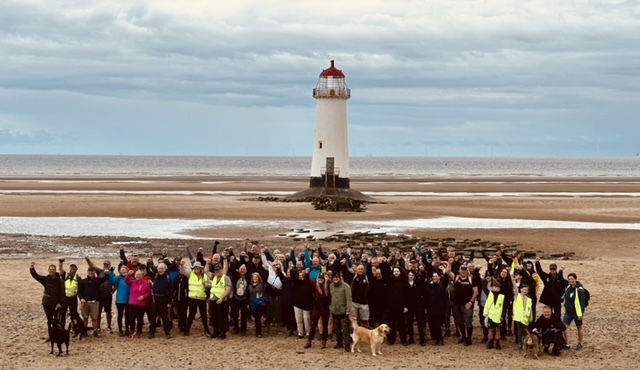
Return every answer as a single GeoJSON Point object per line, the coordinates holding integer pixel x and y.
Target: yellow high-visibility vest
{"type": "Point", "coordinates": [196, 286]}
{"type": "Point", "coordinates": [493, 307]}
{"type": "Point", "coordinates": [521, 313]}
{"type": "Point", "coordinates": [218, 286]}
{"type": "Point", "coordinates": [71, 287]}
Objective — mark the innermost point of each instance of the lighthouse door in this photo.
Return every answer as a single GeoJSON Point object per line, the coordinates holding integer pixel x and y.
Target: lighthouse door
{"type": "Point", "coordinates": [330, 180]}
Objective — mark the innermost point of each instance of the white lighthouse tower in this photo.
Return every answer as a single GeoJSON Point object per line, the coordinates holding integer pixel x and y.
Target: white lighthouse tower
{"type": "Point", "coordinates": [330, 161]}
{"type": "Point", "coordinates": [332, 135]}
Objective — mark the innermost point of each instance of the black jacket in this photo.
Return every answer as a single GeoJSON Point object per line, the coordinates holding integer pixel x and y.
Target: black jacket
{"type": "Point", "coordinates": [398, 293]}
{"type": "Point", "coordinates": [162, 289]}
{"type": "Point", "coordinates": [360, 289]}
{"type": "Point", "coordinates": [554, 287]}
{"type": "Point", "coordinates": [53, 288]}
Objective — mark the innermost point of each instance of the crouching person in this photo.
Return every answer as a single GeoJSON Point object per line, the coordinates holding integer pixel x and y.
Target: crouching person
{"type": "Point", "coordinates": [340, 306]}
{"type": "Point", "coordinates": [550, 327]}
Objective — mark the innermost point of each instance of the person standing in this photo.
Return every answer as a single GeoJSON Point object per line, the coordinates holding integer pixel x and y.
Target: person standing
{"type": "Point", "coordinates": [240, 302]}
{"type": "Point", "coordinates": [53, 297]}
{"type": "Point", "coordinates": [89, 294]}
{"type": "Point", "coordinates": [197, 295]}
{"type": "Point", "coordinates": [321, 302]}
{"type": "Point", "coordinates": [258, 301]}
{"type": "Point", "coordinates": [464, 296]}
{"type": "Point", "coordinates": [554, 286]}
{"type": "Point", "coordinates": [221, 288]}
{"type": "Point", "coordinates": [437, 302]}
{"type": "Point", "coordinates": [415, 305]}
{"type": "Point", "coordinates": [71, 285]}
{"type": "Point", "coordinates": [340, 307]}
{"type": "Point", "coordinates": [162, 301]}
{"type": "Point", "coordinates": [139, 297]}
{"type": "Point", "coordinates": [397, 301]}
{"type": "Point", "coordinates": [105, 300]}
{"type": "Point", "coordinates": [575, 303]}
{"type": "Point", "coordinates": [494, 313]}
{"type": "Point", "coordinates": [360, 296]}
{"type": "Point", "coordinates": [522, 314]}
{"type": "Point", "coordinates": [122, 299]}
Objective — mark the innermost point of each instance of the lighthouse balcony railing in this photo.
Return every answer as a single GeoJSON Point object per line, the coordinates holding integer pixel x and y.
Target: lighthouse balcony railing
{"type": "Point", "coordinates": [331, 93]}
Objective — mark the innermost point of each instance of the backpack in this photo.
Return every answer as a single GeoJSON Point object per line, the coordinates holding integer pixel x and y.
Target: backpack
{"type": "Point", "coordinates": [587, 296]}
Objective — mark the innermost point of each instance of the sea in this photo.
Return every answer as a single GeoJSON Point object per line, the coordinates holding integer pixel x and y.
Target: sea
{"type": "Point", "coordinates": [444, 167]}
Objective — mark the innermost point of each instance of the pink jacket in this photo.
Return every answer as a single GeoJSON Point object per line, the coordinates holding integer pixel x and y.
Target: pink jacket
{"type": "Point", "coordinates": [138, 289]}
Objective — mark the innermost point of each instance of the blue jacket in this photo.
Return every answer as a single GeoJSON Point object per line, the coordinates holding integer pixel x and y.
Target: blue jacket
{"type": "Point", "coordinates": [122, 292]}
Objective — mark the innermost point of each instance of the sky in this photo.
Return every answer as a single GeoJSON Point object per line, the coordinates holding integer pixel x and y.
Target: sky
{"type": "Point", "coordinates": [480, 78]}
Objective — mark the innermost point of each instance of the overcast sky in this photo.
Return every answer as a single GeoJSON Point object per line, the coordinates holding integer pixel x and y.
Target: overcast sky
{"type": "Point", "coordinates": [435, 78]}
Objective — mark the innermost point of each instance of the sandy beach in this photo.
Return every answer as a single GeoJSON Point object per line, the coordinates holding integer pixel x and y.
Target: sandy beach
{"type": "Point", "coordinates": [603, 256]}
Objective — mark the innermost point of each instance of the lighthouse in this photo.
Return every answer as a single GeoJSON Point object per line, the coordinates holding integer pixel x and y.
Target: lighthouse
{"type": "Point", "coordinates": [330, 161]}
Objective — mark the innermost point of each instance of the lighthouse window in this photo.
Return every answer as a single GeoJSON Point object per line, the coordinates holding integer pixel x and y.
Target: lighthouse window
{"type": "Point", "coordinates": [320, 144]}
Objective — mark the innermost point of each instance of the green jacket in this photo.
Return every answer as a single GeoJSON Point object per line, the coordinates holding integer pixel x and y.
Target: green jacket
{"type": "Point", "coordinates": [340, 299]}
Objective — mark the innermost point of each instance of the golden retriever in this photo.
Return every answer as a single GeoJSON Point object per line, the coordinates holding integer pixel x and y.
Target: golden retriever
{"type": "Point", "coordinates": [531, 345]}
{"type": "Point", "coordinates": [374, 337]}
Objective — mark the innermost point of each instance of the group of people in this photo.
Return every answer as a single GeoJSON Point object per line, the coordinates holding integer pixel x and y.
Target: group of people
{"type": "Point", "coordinates": [320, 292]}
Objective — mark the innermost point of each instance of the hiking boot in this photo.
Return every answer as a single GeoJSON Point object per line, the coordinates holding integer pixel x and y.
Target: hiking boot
{"type": "Point", "coordinates": [498, 345]}
{"type": "Point", "coordinates": [120, 333]}
{"type": "Point", "coordinates": [95, 334]}
{"type": "Point", "coordinates": [484, 340]}
{"type": "Point", "coordinates": [462, 340]}
{"type": "Point", "coordinates": [152, 335]}
{"type": "Point", "coordinates": [324, 344]}
{"type": "Point", "coordinates": [308, 344]}
{"type": "Point", "coordinates": [167, 336]}
{"type": "Point", "coordinates": [467, 342]}
{"type": "Point", "coordinates": [490, 344]}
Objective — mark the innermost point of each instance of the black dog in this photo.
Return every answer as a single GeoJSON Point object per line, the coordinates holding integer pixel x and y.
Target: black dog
{"type": "Point", "coordinates": [59, 335]}
{"type": "Point", "coordinates": [78, 327]}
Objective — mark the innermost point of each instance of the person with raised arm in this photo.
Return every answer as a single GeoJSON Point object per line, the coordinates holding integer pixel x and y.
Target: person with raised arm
{"type": "Point", "coordinates": [89, 294]}
{"type": "Point", "coordinates": [53, 296]}
{"type": "Point", "coordinates": [197, 295]}
{"type": "Point", "coordinates": [554, 286]}
{"type": "Point", "coordinates": [320, 312]}
{"type": "Point", "coordinates": [71, 286]}
{"type": "Point", "coordinates": [122, 299]}
{"type": "Point", "coordinates": [139, 298]}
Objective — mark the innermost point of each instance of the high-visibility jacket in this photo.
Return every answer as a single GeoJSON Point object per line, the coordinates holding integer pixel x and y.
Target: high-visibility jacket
{"type": "Point", "coordinates": [71, 286]}
{"type": "Point", "coordinates": [493, 307]}
{"type": "Point", "coordinates": [218, 286]}
{"type": "Point", "coordinates": [522, 313]}
{"type": "Point", "coordinates": [196, 286]}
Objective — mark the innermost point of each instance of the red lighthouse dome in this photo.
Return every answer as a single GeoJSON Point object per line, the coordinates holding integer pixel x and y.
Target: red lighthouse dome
{"type": "Point", "coordinates": [332, 72]}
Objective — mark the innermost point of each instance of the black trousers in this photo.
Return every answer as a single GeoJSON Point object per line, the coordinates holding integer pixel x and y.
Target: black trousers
{"type": "Point", "coordinates": [70, 304]}
{"type": "Point", "coordinates": [220, 310]}
{"type": "Point", "coordinates": [436, 319]}
{"type": "Point", "coordinates": [183, 308]}
{"type": "Point", "coordinates": [200, 305]}
{"type": "Point", "coordinates": [136, 318]}
{"type": "Point", "coordinates": [159, 310]}
{"type": "Point", "coordinates": [52, 315]}
{"type": "Point", "coordinates": [123, 313]}
{"type": "Point", "coordinates": [240, 314]}
{"type": "Point", "coordinates": [377, 315]}
{"type": "Point", "coordinates": [415, 316]}
{"type": "Point", "coordinates": [397, 325]}
{"type": "Point", "coordinates": [257, 313]}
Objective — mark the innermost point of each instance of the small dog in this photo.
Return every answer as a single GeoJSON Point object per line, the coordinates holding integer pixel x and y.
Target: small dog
{"type": "Point", "coordinates": [78, 327]}
{"type": "Point", "coordinates": [59, 335]}
{"type": "Point", "coordinates": [374, 337]}
{"type": "Point", "coordinates": [531, 345]}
